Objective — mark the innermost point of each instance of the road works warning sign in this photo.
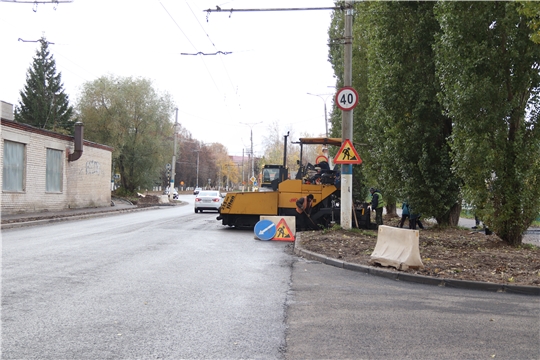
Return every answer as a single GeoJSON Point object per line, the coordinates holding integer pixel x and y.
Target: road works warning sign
{"type": "Point", "coordinates": [288, 229]}
{"type": "Point", "coordinates": [347, 154]}
{"type": "Point", "coordinates": [283, 233]}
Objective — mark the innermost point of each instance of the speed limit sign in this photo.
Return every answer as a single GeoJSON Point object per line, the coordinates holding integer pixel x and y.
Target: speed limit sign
{"type": "Point", "coordinates": [347, 98]}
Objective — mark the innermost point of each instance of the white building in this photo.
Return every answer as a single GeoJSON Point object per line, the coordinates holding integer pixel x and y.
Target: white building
{"type": "Point", "coordinates": [38, 174]}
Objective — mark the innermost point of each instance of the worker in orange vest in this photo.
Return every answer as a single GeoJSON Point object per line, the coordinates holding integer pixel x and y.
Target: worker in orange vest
{"type": "Point", "coordinates": [303, 208]}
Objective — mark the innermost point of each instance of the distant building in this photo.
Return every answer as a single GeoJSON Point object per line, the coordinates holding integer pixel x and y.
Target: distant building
{"type": "Point", "coordinates": [6, 111]}
{"type": "Point", "coordinates": [38, 176]}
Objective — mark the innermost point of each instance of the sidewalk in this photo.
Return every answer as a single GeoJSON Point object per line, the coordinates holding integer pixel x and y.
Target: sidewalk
{"type": "Point", "coordinates": [27, 219]}
{"type": "Point", "coordinates": [531, 236]}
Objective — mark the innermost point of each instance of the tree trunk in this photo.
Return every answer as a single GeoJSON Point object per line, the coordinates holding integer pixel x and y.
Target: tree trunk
{"type": "Point", "coordinates": [391, 209]}
{"type": "Point", "coordinates": [510, 233]}
{"type": "Point", "coordinates": [451, 218]}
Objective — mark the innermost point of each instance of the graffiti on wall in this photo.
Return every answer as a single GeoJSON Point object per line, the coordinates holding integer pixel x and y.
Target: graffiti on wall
{"type": "Point", "coordinates": [92, 168]}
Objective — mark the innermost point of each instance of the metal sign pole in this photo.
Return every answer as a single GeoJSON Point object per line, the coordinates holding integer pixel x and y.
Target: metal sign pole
{"type": "Point", "coordinates": [347, 125]}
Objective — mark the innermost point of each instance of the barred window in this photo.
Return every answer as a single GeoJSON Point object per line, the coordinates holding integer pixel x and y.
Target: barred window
{"type": "Point", "coordinates": [54, 171]}
{"type": "Point", "coordinates": [14, 164]}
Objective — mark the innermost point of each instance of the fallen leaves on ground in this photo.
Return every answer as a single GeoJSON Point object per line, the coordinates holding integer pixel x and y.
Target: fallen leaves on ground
{"type": "Point", "coordinates": [451, 253]}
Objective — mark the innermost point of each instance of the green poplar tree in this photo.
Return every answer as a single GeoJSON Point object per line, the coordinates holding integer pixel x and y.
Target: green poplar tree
{"type": "Point", "coordinates": [43, 103]}
{"type": "Point", "coordinates": [489, 69]}
{"type": "Point", "coordinates": [408, 128]}
{"type": "Point", "coordinates": [531, 11]}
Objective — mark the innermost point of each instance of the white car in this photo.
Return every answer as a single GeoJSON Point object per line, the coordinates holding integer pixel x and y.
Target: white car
{"type": "Point", "coordinates": [174, 192]}
{"type": "Point", "coordinates": [196, 191]}
{"type": "Point", "coordinates": [208, 200]}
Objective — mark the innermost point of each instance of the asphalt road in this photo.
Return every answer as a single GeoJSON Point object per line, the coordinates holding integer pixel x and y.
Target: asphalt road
{"type": "Point", "coordinates": [172, 284]}
{"type": "Point", "coordinates": [164, 283]}
{"type": "Point", "coordinates": [339, 314]}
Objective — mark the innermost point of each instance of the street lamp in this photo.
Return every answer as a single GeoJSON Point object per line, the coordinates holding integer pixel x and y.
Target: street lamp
{"type": "Point", "coordinates": [197, 151]}
{"type": "Point", "coordinates": [324, 99]}
{"type": "Point", "coordinates": [252, 155]}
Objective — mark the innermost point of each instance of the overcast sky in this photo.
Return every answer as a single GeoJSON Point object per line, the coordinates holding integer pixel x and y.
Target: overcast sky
{"type": "Point", "coordinates": [276, 59]}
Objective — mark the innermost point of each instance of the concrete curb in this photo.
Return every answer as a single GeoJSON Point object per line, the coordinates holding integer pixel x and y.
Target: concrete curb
{"type": "Point", "coordinates": [419, 279]}
{"type": "Point", "coordinates": [20, 224]}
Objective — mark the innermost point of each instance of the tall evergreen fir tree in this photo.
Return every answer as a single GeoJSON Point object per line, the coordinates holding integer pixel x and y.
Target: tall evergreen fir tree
{"type": "Point", "coordinates": [44, 103]}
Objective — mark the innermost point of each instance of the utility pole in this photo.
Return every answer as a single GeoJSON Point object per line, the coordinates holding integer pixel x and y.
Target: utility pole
{"type": "Point", "coordinates": [347, 125]}
{"type": "Point", "coordinates": [227, 184]}
{"type": "Point", "coordinates": [252, 155]}
{"type": "Point", "coordinates": [173, 170]}
{"type": "Point", "coordinates": [285, 150]}
{"type": "Point", "coordinates": [198, 151]}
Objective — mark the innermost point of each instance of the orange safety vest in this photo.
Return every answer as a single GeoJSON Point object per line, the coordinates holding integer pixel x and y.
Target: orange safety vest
{"type": "Point", "coordinates": [304, 206]}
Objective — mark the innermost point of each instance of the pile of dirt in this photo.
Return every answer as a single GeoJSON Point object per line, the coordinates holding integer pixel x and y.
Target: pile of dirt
{"type": "Point", "coordinates": [147, 200]}
{"type": "Point", "coordinates": [450, 253]}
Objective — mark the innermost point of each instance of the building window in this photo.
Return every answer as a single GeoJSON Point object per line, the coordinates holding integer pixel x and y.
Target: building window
{"type": "Point", "coordinates": [54, 171]}
{"type": "Point", "coordinates": [13, 169]}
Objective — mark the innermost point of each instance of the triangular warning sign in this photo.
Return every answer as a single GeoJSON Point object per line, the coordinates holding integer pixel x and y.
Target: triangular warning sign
{"type": "Point", "coordinates": [347, 154]}
{"type": "Point", "coordinates": [283, 233]}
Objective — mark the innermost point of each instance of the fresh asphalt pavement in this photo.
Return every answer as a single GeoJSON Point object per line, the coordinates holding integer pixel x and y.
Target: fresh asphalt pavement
{"type": "Point", "coordinates": [339, 314]}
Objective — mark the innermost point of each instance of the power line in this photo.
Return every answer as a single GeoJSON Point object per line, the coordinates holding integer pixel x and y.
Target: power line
{"type": "Point", "coordinates": [342, 6]}
{"type": "Point", "coordinates": [218, 9]}
{"type": "Point", "coordinates": [201, 53]}
{"type": "Point", "coordinates": [178, 26]}
{"type": "Point", "coordinates": [208, 36]}
{"type": "Point", "coordinates": [48, 42]}
{"type": "Point", "coordinates": [35, 3]}
{"type": "Point", "coordinates": [275, 9]}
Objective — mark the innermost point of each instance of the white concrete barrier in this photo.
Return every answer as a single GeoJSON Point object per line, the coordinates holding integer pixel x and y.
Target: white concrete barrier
{"type": "Point", "coordinates": [163, 199]}
{"type": "Point", "coordinates": [398, 248]}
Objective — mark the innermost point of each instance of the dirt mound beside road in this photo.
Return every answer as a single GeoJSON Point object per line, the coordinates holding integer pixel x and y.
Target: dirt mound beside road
{"type": "Point", "coordinates": [147, 200]}
{"type": "Point", "coordinates": [451, 253]}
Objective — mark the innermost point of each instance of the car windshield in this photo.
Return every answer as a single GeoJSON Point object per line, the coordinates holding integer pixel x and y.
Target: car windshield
{"type": "Point", "coordinates": [209, 193]}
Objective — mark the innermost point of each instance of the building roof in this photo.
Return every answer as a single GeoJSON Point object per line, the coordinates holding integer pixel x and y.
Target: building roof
{"type": "Point", "coordinates": [35, 130]}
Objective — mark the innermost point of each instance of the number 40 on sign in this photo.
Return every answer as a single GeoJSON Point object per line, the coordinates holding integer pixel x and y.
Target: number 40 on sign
{"type": "Point", "coordinates": [347, 98]}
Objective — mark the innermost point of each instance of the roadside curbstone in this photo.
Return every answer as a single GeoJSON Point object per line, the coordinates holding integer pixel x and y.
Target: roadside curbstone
{"type": "Point", "coordinates": [521, 289]}
{"type": "Point", "coordinates": [333, 262]}
{"type": "Point", "coordinates": [356, 267]}
{"type": "Point", "coordinates": [414, 278]}
{"type": "Point", "coordinates": [20, 224]}
{"type": "Point", "coordinates": [383, 273]}
{"type": "Point", "coordinates": [420, 279]}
